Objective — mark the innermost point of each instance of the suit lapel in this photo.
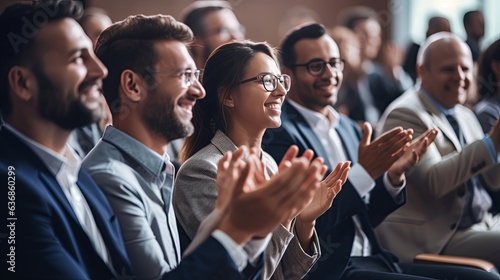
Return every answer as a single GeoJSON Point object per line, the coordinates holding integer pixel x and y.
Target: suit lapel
{"type": "Point", "coordinates": [349, 139]}
{"type": "Point", "coordinates": [306, 133]}
{"type": "Point", "coordinates": [223, 143]}
{"type": "Point", "coordinates": [52, 186]}
{"type": "Point", "coordinates": [470, 129]}
{"type": "Point", "coordinates": [43, 173]}
{"type": "Point", "coordinates": [57, 192]}
{"type": "Point", "coordinates": [440, 120]}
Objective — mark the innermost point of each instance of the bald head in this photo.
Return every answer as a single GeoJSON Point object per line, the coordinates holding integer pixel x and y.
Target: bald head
{"type": "Point", "coordinates": [438, 41]}
{"type": "Point", "coordinates": [446, 68]}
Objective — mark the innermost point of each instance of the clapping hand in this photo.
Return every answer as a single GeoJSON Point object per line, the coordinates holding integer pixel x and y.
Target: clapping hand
{"type": "Point", "coordinates": [411, 156]}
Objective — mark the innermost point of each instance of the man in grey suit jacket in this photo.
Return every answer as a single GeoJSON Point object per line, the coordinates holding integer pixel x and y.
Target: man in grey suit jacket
{"type": "Point", "coordinates": [447, 203]}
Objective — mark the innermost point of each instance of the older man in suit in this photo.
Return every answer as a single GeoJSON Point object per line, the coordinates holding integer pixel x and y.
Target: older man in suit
{"type": "Point", "coordinates": [376, 182]}
{"type": "Point", "coordinates": [448, 203]}
{"type": "Point", "coordinates": [60, 225]}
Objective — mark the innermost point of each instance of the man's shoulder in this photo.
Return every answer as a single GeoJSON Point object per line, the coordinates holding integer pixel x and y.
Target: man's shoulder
{"type": "Point", "coordinates": [409, 98]}
{"type": "Point", "coordinates": [409, 101]}
{"type": "Point", "coordinates": [19, 159]}
{"type": "Point", "coordinates": [106, 166]}
{"type": "Point", "coordinates": [461, 109]}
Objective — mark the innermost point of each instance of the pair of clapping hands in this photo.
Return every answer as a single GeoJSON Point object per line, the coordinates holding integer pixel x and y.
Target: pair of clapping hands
{"type": "Point", "coordinates": [393, 152]}
{"type": "Point", "coordinates": [254, 206]}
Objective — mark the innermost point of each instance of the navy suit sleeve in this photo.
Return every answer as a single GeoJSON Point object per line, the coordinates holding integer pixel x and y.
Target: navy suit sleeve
{"type": "Point", "coordinates": [209, 261]}
{"type": "Point", "coordinates": [382, 203]}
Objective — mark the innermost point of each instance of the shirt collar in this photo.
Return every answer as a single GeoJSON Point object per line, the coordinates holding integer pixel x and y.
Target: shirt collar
{"type": "Point", "coordinates": [443, 110]}
{"type": "Point", "coordinates": [147, 158]}
{"type": "Point", "coordinates": [52, 160]}
{"type": "Point", "coordinates": [317, 120]}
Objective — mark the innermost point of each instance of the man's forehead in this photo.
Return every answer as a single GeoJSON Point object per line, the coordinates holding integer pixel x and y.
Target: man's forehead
{"type": "Point", "coordinates": [173, 53]}
{"type": "Point", "coordinates": [63, 36]}
{"type": "Point", "coordinates": [322, 46]}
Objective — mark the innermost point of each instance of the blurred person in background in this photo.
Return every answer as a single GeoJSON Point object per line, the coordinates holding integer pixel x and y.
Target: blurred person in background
{"type": "Point", "coordinates": [350, 51]}
{"type": "Point", "coordinates": [381, 81]}
{"type": "Point", "coordinates": [474, 28]}
{"type": "Point", "coordinates": [488, 108]}
{"type": "Point", "coordinates": [435, 24]}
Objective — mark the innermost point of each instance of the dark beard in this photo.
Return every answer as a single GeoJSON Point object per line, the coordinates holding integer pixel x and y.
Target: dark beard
{"type": "Point", "coordinates": [66, 114]}
{"type": "Point", "coordinates": [159, 116]}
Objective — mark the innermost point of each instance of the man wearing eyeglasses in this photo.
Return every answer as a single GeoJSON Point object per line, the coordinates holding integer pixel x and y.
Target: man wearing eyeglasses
{"type": "Point", "coordinates": [376, 182]}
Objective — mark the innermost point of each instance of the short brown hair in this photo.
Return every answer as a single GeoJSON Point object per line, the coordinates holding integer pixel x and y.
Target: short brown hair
{"type": "Point", "coordinates": [129, 44]}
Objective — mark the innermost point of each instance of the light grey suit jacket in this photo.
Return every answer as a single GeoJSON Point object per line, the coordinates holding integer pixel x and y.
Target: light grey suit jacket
{"type": "Point", "coordinates": [436, 186]}
{"type": "Point", "coordinates": [195, 194]}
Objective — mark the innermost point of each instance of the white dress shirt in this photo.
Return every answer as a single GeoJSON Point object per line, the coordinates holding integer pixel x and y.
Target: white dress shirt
{"type": "Point", "coordinates": [325, 129]}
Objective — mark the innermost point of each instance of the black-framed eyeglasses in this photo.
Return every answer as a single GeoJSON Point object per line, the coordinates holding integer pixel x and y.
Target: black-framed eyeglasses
{"type": "Point", "coordinates": [270, 81]}
{"type": "Point", "coordinates": [317, 67]}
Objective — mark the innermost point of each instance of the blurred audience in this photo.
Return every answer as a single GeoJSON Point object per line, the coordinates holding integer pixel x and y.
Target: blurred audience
{"type": "Point", "coordinates": [474, 28]}
{"type": "Point", "coordinates": [436, 24]}
{"type": "Point", "coordinates": [488, 85]}
{"type": "Point", "coordinates": [380, 82]}
{"type": "Point", "coordinates": [93, 22]}
{"type": "Point", "coordinates": [350, 52]}
{"type": "Point", "coordinates": [213, 23]}
{"type": "Point", "coordinates": [488, 108]}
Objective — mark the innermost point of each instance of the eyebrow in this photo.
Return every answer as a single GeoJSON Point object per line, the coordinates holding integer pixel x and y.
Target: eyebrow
{"type": "Point", "coordinates": [72, 52]}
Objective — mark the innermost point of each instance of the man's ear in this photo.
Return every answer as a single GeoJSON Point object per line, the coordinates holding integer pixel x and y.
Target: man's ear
{"type": "Point", "coordinates": [131, 84]}
{"type": "Point", "coordinates": [420, 70]}
{"type": "Point", "coordinates": [22, 82]}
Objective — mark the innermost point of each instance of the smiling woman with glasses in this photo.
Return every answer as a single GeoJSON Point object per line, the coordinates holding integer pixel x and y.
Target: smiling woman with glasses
{"type": "Point", "coordinates": [244, 93]}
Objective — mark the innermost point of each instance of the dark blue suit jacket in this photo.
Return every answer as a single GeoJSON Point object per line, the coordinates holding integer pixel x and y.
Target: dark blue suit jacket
{"type": "Point", "coordinates": [50, 243]}
{"type": "Point", "coordinates": [335, 228]}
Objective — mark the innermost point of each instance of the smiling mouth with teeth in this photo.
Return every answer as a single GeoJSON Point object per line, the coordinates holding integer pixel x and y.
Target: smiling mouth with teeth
{"type": "Point", "coordinates": [274, 106]}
